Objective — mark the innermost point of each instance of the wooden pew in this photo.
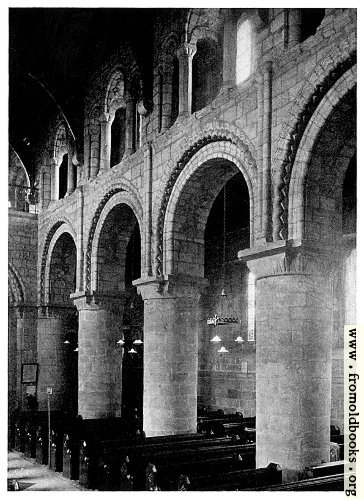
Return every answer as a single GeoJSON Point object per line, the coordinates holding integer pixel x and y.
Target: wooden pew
{"type": "Point", "coordinates": [325, 483]}
{"type": "Point", "coordinates": [232, 480]}
{"type": "Point", "coordinates": [175, 459]}
{"type": "Point", "coordinates": [328, 469]}
{"type": "Point", "coordinates": [41, 444]}
{"type": "Point", "coordinates": [178, 449]}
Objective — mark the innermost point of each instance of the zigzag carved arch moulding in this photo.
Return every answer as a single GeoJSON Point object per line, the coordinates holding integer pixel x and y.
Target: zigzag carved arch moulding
{"type": "Point", "coordinates": [119, 196]}
{"type": "Point", "coordinates": [54, 226]}
{"type": "Point", "coordinates": [295, 137]}
{"type": "Point", "coordinates": [219, 135]}
{"type": "Point", "coordinates": [16, 286]}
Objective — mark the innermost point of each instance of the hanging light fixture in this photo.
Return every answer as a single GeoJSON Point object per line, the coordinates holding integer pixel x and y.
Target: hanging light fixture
{"type": "Point", "coordinates": [137, 342]}
{"type": "Point", "coordinates": [132, 351]}
{"type": "Point", "coordinates": [239, 339]}
{"type": "Point", "coordinates": [222, 349]}
{"type": "Point", "coordinates": [120, 342]}
{"type": "Point", "coordinates": [216, 339]}
{"type": "Point", "coordinates": [219, 319]}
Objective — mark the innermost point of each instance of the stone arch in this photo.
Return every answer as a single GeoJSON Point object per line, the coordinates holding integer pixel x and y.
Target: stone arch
{"type": "Point", "coordinates": [207, 155]}
{"type": "Point", "coordinates": [116, 196]}
{"type": "Point", "coordinates": [203, 23]}
{"type": "Point", "coordinates": [60, 146]}
{"type": "Point", "coordinates": [17, 172]}
{"type": "Point", "coordinates": [15, 286]}
{"type": "Point", "coordinates": [312, 93]}
{"type": "Point", "coordinates": [61, 230]}
{"type": "Point", "coordinates": [114, 97]}
{"type": "Point", "coordinates": [50, 232]}
{"type": "Point", "coordinates": [309, 140]}
{"type": "Point", "coordinates": [221, 139]}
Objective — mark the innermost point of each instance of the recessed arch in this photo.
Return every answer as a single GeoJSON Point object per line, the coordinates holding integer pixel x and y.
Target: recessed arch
{"type": "Point", "coordinates": [336, 97]}
{"type": "Point", "coordinates": [62, 230]}
{"type": "Point", "coordinates": [220, 165]}
{"type": "Point", "coordinates": [220, 139]}
{"type": "Point", "coordinates": [115, 197]}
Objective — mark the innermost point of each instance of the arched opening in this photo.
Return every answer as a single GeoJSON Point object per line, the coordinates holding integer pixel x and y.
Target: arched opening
{"type": "Point", "coordinates": [310, 21]}
{"type": "Point", "coordinates": [119, 263]}
{"type": "Point", "coordinates": [63, 176]}
{"type": "Point", "coordinates": [330, 219]}
{"type": "Point", "coordinates": [137, 127]}
{"type": "Point", "coordinates": [206, 73]}
{"type": "Point", "coordinates": [175, 90]}
{"type": "Point", "coordinates": [133, 319]}
{"type": "Point", "coordinates": [244, 49]}
{"type": "Point", "coordinates": [59, 350]}
{"type": "Point", "coordinates": [118, 137]}
{"type": "Point", "coordinates": [227, 380]}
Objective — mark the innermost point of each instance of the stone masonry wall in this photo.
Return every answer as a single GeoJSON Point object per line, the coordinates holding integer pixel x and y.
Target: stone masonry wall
{"type": "Point", "coordinates": [236, 112]}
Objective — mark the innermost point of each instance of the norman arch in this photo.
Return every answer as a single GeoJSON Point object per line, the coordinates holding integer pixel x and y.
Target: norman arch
{"type": "Point", "coordinates": [332, 108]}
{"type": "Point", "coordinates": [224, 152]}
{"type": "Point", "coordinates": [119, 199]}
{"type": "Point", "coordinates": [114, 197]}
{"type": "Point", "coordinates": [310, 97]}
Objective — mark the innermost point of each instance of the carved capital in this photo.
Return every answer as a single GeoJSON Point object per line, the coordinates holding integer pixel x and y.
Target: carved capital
{"type": "Point", "coordinates": [187, 50]}
{"type": "Point", "coordinates": [144, 107]}
{"type": "Point", "coordinates": [291, 257]}
{"type": "Point", "coordinates": [171, 286]}
{"type": "Point", "coordinates": [99, 301]}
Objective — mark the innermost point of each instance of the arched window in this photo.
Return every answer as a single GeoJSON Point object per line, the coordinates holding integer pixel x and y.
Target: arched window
{"type": "Point", "coordinates": [63, 176]}
{"type": "Point", "coordinates": [206, 73]}
{"type": "Point", "coordinates": [117, 137]}
{"type": "Point", "coordinates": [243, 51]}
{"type": "Point", "coordinates": [137, 127]}
{"type": "Point", "coordinates": [310, 21]}
{"type": "Point", "coordinates": [175, 90]}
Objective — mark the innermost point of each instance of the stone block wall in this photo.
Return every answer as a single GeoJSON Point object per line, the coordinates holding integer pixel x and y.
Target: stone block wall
{"type": "Point", "coordinates": [148, 177]}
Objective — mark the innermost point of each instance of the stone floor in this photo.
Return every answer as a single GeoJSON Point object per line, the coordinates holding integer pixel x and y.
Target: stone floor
{"type": "Point", "coordinates": [31, 476]}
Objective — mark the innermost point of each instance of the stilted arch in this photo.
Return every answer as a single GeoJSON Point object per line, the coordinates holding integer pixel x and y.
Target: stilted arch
{"type": "Point", "coordinates": [210, 154]}
{"type": "Point", "coordinates": [50, 232]}
{"type": "Point", "coordinates": [296, 201]}
{"type": "Point", "coordinates": [113, 198]}
{"type": "Point", "coordinates": [312, 93]}
{"type": "Point", "coordinates": [63, 229]}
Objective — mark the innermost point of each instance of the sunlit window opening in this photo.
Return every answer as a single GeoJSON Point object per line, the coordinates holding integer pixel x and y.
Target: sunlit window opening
{"type": "Point", "coordinates": [243, 51]}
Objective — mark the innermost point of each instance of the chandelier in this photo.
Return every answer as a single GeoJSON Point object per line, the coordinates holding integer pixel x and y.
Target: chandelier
{"type": "Point", "coordinates": [219, 318]}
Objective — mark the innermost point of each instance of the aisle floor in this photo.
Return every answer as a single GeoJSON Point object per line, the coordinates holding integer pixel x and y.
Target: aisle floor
{"type": "Point", "coordinates": [32, 476]}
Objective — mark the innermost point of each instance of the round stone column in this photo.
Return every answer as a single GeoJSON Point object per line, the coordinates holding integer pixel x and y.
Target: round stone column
{"type": "Point", "coordinates": [170, 354]}
{"type": "Point", "coordinates": [293, 356]}
{"type": "Point", "coordinates": [53, 357]}
{"type": "Point", "coordinates": [99, 357]}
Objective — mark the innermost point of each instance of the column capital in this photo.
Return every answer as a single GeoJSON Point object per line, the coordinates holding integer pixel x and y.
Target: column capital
{"type": "Point", "coordinates": [106, 117]}
{"type": "Point", "coordinates": [171, 286]}
{"type": "Point", "coordinates": [186, 49]}
{"type": "Point", "coordinates": [97, 301]}
{"type": "Point", "coordinates": [291, 257]}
